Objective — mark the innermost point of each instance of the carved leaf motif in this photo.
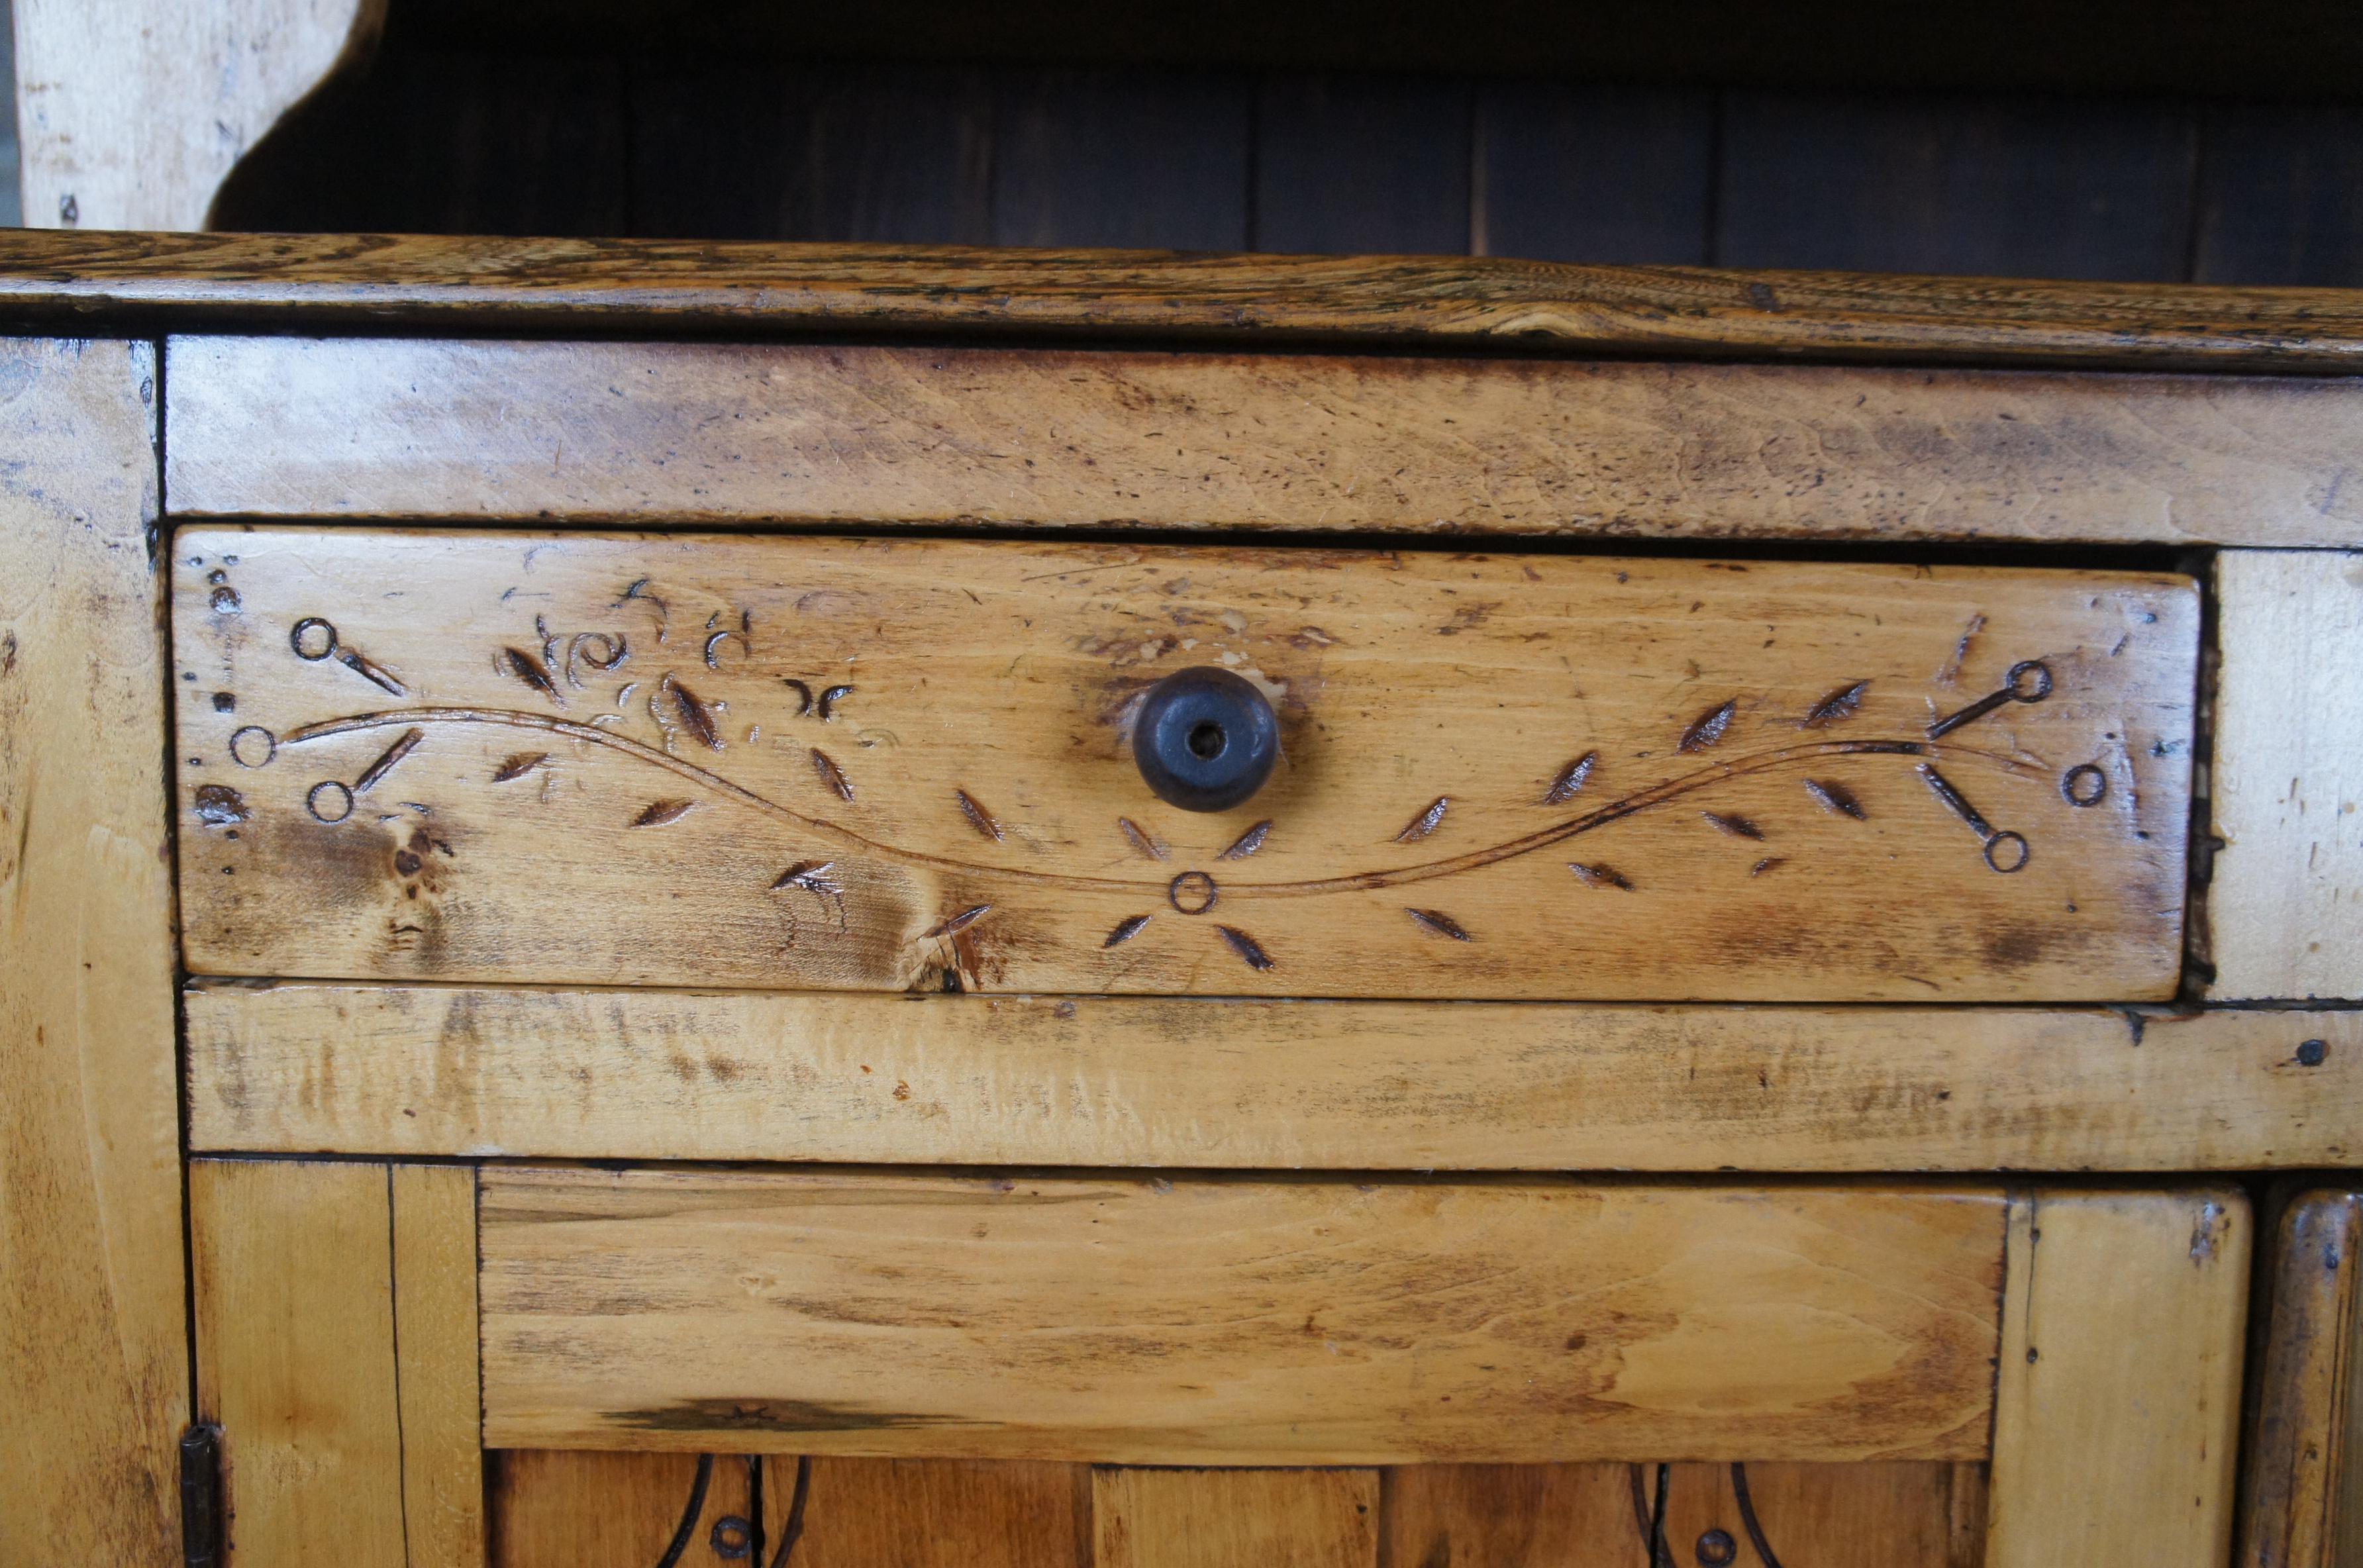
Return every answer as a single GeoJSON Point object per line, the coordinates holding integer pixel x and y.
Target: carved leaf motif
{"type": "Point", "coordinates": [1249, 842]}
{"type": "Point", "coordinates": [978, 817]}
{"type": "Point", "coordinates": [1601, 877]}
{"type": "Point", "coordinates": [531, 671]}
{"type": "Point", "coordinates": [1767, 863]}
{"type": "Point", "coordinates": [811, 875]}
{"type": "Point", "coordinates": [660, 812]}
{"type": "Point", "coordinates": [1836, 708]}
{"type": "Point", "coordinates": [1571, 780]}
{"type": "Point", "coordinates": [1140, 840]}
{"type": "Point", "coordinates": [960, 921]}
{"type": "Point", "coordinates": [1125, 930]}
{"type": "Point", "coordinates": [695, 715]}
{"type": "Point", "coordinates": [1708, 727]}
{"type": "Point", "coordinates": [1737, 826]}
{"type": "Point", "coordinates": [1249, 950]}
{"type": "Point", "coordinates": [518, 765]}
{"type": "Point", "coordinates": [1427, 822]}
{"type": "Point", "coordinates": [1442, 923]}
{"type": "Point", "coordinates": [831, 775]}
{"type": "Point", "coordinates": [1833, 796]}
{"type": "Point", "coordinates": [830, 698]}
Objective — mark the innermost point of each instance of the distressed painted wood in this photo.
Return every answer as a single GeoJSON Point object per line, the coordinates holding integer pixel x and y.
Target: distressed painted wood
{"type": "Point", "coordinates": [470, 1070]}
{"type": "Point", "coordinates": [1235, 1519]}
{"type": "Point", "coordinates": [2116, 1407]}
{"type": "Point", "coordinates": [1123, 1320]}
{"type": "Point", "coordinates": [2286, 899]}
{"type": "Point", "coordinates": [2303, 1505]}
{"type": "Point", "coordinates": [133, 113]}
{"type": "Point", "coordinates": [893, 765]}
{"type": "Point", "coordinates": [607, 286]}
{"type": "Point", "coordinates": [295, 1358]}
{"type": "Point", "coordinates": [92, 1295]}
{"type": "Point", "coordinates": [434, 1274]}
{"type": "Point", "coordinates": [758, 433]}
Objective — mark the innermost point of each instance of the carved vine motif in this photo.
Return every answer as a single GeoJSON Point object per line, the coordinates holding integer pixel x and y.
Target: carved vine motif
{"type": "Point", "coordinates": [689, 725]}
{"type": "Point", "coordinates": [739, 1538]}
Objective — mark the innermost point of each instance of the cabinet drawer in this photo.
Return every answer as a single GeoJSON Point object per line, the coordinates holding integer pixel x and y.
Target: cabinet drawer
{"type": "Point", "coordinates": [895, 765]}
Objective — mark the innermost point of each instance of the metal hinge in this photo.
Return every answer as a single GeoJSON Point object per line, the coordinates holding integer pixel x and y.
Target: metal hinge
{"type": "Point", "coordinates": [200, 1497]}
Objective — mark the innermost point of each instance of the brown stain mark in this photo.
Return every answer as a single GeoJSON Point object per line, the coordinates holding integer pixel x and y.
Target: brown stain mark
{"type": "Point", "coordinates": [1707, 728]}
{"type": "Point", "coordinates": [1125, 930]}
{"type": "Point", "coordinates": [1249, 950]}
{"type": "Point", "coordinates": [1731, 822]}
{"type": "Point", "coordinates": [1571, 780]}
{"type": "Point", "coordinates": [831, 775]}
{"type": "Point", "coordinates": [1468, 617]}
{"type": "Point", "coordinates": [8, 654]}
{"type": "Point", "coordinates": [387, 762]}
{"type": "Point", "coordinates": [1769, 862]}
{"type": "Point", "coordinates": [219, 805]}
{"type": "Point", "coordinates": [1427, 821]}
{"type": "Point", "coordinates": [1601, 877]}
{"type": "Point", "coordinates": [830, 698]}
{"type": "Point", "coordinates": [660, 812]}
{"type": "Point", "coordinates": [1442, 923]}
{"type": "Point", "coordinates": [1833, 796]}
{"type": "Point", "coordinates": [1140, 840]}
{"type": "Point", "coordinates": [529, 669]}
{"type": "Point", "coordinates": [957, 923]}
{"type": "Point", "coordinates": [695, 715]}
{"type": "Point", "coordinates": [1249, 842]}
{"type": "Point", "coordinates": [1836, 708]}
{"type": "Point", "coordinates": [517, 764]}
{"type": "Point", "coordinates": [773, 1416]}
{"type": "Point", "coordinates": [978, 817]}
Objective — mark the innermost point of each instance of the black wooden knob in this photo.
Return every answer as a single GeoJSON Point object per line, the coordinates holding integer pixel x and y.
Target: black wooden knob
{"type": "Point", "coordinates": [1206, 739]}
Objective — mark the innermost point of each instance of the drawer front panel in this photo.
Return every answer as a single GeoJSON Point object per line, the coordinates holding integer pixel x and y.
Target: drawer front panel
{"type": "Point", "coordinates": [1234, 1321]}
{"type": "Point", "coordinates": [864, 764]}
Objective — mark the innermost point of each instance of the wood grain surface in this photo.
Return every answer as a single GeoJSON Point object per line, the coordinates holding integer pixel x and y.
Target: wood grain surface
{"type": "Point", "coordinates": [93, 1303]}
{"type": "Point", "coordinates": [689, 286]}
{"type": "Point", "coordinates": [468, 1070]}
{"type": "Point", "coordinates": [2303, 1464]}
{"type": "Point", "coordinates": [2117, 1402]}
{"type": "Point", "coordinates": [1235, 1519]}
{"type": "Point", "coordinates": [588, 1509]}
{"type": "Point", "coordinates": [297, 1359]}
{"type": "Point", "coordinates": [1209, 1322]}
{"type": "Point", "coordinates": [434, 1275]}
{"type": "Point", "coordinates": [2286, 898]}
{"type": "Point", "coordinates": [897, 765]}
{"type": "Point", "coordinates": [763, 433]}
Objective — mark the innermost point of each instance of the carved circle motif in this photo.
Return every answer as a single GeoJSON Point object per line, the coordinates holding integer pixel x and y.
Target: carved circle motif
{"type": "Point", "coordinates": [329, 802]}
{"type": "Point", "coordinates": [253, 746]}
{"type": "Point", "coordinates": [313, 639]}
{"type": "Point", "coordinates": [2030, 681]}
{"type": "Point", "coordinates": [2007, 852]}
{"type": "Point", "coordinates": [2084, 785]}
{"type": "Point", "coordinates": [1192, 892]}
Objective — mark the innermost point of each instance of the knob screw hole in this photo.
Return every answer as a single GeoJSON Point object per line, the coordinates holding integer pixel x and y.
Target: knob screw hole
{"type": "Point", "coordinates": [1207, 741]}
